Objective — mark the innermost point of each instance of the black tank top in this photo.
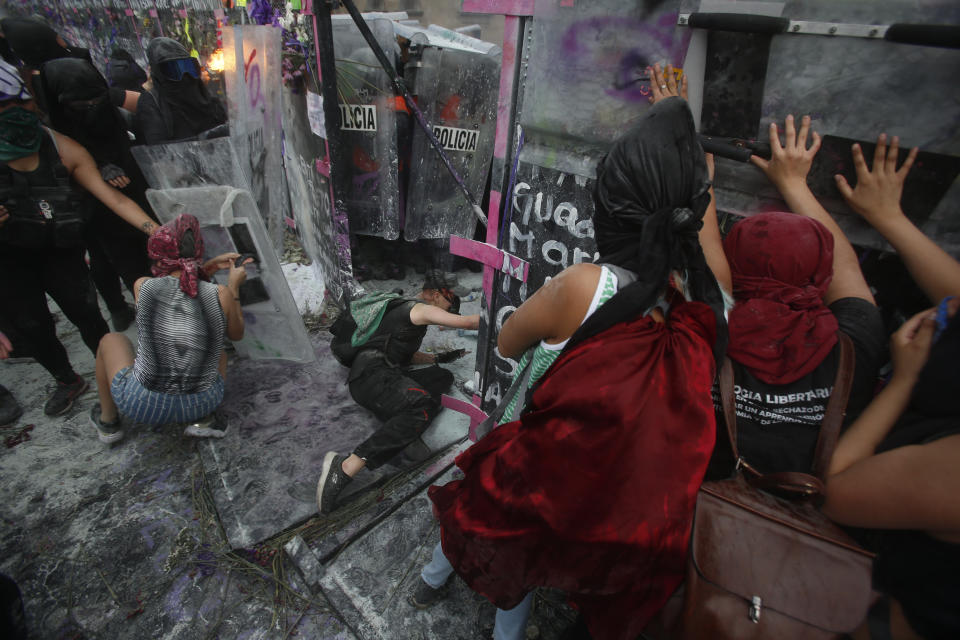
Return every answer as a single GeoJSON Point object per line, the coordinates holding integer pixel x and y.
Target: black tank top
{"type": "Point", "coordinates": [405, 337]}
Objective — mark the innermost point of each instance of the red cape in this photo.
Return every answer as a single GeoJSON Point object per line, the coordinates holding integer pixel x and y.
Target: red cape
{"type": "Point", "coordinates": [592, 491]}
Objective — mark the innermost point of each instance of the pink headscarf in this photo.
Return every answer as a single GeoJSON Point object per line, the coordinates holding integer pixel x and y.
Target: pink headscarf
{"type": "Point", "coordinates": [163, 247]}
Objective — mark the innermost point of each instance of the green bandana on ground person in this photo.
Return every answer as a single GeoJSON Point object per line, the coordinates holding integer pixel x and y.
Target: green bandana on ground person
{"type": "Point", "coordinates": [20, 133]}
{"type": "Point", "coordinates": [368, 312]}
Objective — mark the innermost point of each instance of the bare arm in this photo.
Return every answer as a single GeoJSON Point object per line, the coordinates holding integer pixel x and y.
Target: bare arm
{"type": "Point", "coordinates": [130, 101]}
{"type": "Point", "coordinates": [911, 487]}
{"type": "Point", "coordinates": [553, 312]}
{"type": "Point", "coordinates": [85, 172]}
{"type": "Point", "coordinates": [712, 242]}
{"type": "Point", "coordinates": [787, 170]}
{"type": "Point", "coordinates": [230, 302]}
{"type": "Point", "coordinates": [422, 314]}
{"type": "Point", "coordinates": [877, 198]}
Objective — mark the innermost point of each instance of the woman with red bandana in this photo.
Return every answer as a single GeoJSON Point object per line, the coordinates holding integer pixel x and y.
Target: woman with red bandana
{"type": "Point", "coordinates": [182, 317]}
{"type": "Point", "coordinates": [796, 281]}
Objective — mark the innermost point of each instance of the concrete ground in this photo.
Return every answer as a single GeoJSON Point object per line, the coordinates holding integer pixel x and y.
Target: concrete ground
{"type": "Point", "coordinates": [140, 539]}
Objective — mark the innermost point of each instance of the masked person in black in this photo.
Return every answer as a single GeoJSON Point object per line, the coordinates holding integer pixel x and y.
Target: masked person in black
{"type": "Point", "coordinates": [178, 106]}
{"type": "Point", "coordinates": [124, 72]}
{"type": "Point", "coordinates": [34, 42]}
{"type": "Point", "coordinates": [379, 337]}
{"type": "Point", "coordinates": [42, 175]}
{"type": "Point", "coordinates": [78, 104]}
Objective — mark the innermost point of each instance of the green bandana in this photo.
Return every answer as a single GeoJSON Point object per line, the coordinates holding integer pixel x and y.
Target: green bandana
{"type": "Point", "coordinates": [20, 133]}
{"type": "Point", "coordinates": [367, 312]}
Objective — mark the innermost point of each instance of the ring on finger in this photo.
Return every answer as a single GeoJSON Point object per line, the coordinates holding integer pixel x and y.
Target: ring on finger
{"type": "Point", "coordinates": [663, 87]}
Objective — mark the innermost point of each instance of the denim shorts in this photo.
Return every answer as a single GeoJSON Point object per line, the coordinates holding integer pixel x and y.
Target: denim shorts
{"type": "Point", "coordinates": [139, 404]}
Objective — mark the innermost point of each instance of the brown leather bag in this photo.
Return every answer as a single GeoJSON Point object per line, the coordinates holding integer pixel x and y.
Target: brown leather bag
{"type": "Point", "coordinates": [769, 566]}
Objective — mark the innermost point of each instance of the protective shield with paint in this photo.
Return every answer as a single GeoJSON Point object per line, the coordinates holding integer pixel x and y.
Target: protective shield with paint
{"type": "Point", "coordinates": [368, 127]}
{"type": "Point", "coordinates": [230, 222]}
{"type": "Point", "coordinates": [457, 92]}
{"type": "Point", "coordinates": [190, 164]}
{"type": "Point", "coordinates": [252, 73]}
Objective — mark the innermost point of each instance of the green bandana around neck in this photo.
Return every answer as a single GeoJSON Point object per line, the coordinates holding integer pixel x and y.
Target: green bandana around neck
{"type": "Point", "coordinates": [20, 133]}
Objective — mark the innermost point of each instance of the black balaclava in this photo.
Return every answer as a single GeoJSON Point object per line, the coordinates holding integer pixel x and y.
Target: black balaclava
{"type": "Point", "coordinates": [651, 194]}
{"type": "Point", "coordinates": [78, 102]}
{"type": "Point", "coordinates": [35, 42]}
{"type": "Point", "coordinates": [186, 102]}
{"type": "Point", "coordinates": [124, 72]}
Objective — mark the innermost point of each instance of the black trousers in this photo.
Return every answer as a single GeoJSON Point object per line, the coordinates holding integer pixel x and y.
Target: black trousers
{"type": "Point", "coordinates": [28, 274]}
{"type": "Point", "coordinates": [406, 400]}
{"type": "Point", "coordinates": [116, 249]}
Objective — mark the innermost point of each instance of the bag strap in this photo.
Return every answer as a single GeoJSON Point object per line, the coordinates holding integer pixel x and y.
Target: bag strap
{"type": "Point", "coordinates": [836, 408]}
{"type": "Point", "coordinates": [791, 481]}
{"type": "Point", "coordinates": [522, 380]}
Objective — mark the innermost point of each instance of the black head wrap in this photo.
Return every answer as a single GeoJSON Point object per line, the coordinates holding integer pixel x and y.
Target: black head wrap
{"type": "Point", "coordinates": [35, 42]}
{"type": "Point", "coordinates": [651, 194]}
{"type": "Point", "coordinates": [187, 106]}
{"type": "Point", "coordinates": [78, 102]}
{"type": "Point", "coordinates": [124, 72]}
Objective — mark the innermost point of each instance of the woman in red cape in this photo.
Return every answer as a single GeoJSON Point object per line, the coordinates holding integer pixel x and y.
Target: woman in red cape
{"type": "Point", "coordinates": [592, 490]}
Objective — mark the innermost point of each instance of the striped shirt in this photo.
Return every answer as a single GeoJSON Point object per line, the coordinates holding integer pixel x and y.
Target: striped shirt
{"type": "Point", "coordinates": [544, 354]}
{"type": "Point", "coordinates": [180, 338]}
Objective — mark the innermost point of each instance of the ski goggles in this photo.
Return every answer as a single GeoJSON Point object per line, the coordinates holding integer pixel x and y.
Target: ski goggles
{"type": "Point", "coordinates": [175, 69]}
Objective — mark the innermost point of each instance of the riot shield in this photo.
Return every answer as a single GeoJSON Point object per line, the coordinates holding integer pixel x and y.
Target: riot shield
{"type": "Point", "coordinates": [229, 221]}
{"type": "Point", "coordinates": [457, 91]}
{"type": "Point", "coordinates": [252, 72]}
{"type": "Point", "coordinates": [368, 127]}
{"type": "Point", "coordinates": [190, 164]}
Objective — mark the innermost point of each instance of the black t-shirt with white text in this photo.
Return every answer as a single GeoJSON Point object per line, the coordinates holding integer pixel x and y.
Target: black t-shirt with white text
{"type": "Point", "coordinates": [778, 425]}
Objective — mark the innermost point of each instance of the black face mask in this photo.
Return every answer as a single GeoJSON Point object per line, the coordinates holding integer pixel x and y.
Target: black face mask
{"type": "Point", "coordinates": [93, 114]}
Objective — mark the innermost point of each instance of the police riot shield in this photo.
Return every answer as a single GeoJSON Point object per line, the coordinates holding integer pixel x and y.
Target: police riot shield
{"type": "Point", "coordinates": [229, 221]}
{"type": "Point", "coordinates": [368, 124]}
{"type": "Point", "coordinates": [457, 91]}
{"type": "Point", "coordinates": [252, 73]}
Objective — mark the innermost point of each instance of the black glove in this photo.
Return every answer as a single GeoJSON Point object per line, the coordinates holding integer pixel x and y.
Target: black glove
{"type": "Point", "coordinates": [450, 356]}
{"type": "Point", "coordinates": [110, 172]}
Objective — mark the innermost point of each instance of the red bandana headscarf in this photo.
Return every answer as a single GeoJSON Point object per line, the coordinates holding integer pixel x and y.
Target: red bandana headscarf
{"type": "Point", "coordinates": [782, 264]}
{"type": "Point", "coordinates": [163, 247]}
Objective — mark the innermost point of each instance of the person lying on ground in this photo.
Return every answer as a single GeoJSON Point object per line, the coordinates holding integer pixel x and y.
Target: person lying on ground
{"type": "Point", "coordinates": [182, 319]}
{"type": "Point", "coordinates": [896, 468]}
{"type": "Point", "coordinates": [379, 338]}
{"type": "Point", "coordinates": [42, 178]}
{"type": "Point", "coordinates": [626, 354]}
{"type": "Point", "coordinates": [797, 283]}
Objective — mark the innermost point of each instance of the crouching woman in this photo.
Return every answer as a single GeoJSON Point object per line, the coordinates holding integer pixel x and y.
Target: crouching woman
{"type": "Point", "coordinates": [177, 374]}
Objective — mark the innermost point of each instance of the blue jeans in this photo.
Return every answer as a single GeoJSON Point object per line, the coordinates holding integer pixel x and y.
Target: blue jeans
{"type": "Point", "coordinates": [510, 624]}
